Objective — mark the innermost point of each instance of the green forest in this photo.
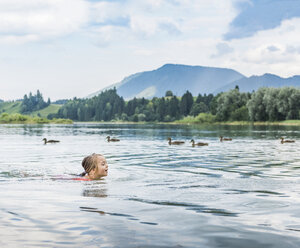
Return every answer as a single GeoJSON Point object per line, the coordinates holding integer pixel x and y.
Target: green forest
{"type": "Point", "coordinates": [266, 104]}
{"type": "Point", "coordinates": [263, 105]}
{"type": "Point", "coordinates": [32, 103]}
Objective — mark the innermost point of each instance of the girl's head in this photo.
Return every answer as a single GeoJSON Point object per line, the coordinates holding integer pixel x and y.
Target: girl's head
{"type": "Point", "coordinates": [95, 166]}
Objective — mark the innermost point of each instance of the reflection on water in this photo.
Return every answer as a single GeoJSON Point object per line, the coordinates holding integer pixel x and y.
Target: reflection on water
{"type": "Point", "coordinates": [242, 193]}
{"type": "Point", "coordinates": [95, 191]}
{"type": "Point", "coordinates": [194, 207]}
{"type": "Point", "coordinates": [128, 216]}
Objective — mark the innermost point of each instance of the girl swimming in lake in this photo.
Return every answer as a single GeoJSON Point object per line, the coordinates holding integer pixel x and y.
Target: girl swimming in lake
{"type": "Point", "coordinates": [95, 167]}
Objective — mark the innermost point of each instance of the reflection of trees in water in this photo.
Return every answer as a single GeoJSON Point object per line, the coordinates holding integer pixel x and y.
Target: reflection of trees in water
{"type": "Point", "coordinates": [33, 130]}
{"type": "Point", "coordinates": [95, 192]}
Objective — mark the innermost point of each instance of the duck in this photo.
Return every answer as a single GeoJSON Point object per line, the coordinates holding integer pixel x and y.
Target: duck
{"type": "Point", "coordinates": [50, 141]}
{"type": "Point", "coordinates": [198, 144]}
{"type": "Point", "coordinates": [111, 140]}
{"type": "Point", "coordinates": [225, 139]}
{"type": "Point", "coordinates": [175, 142]}
{"type": "Point", "coordinates": [286, 141]}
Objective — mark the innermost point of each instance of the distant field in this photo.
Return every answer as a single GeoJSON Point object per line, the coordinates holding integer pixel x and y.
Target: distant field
{"type": "Point", "coordinates": [292, 122]}
{"type": "Point", "coordinates": [15, 107]}
{"type": "Point", "coordinates": [51, 109]}
{"type": "Point", "coordinates": [10, 107]}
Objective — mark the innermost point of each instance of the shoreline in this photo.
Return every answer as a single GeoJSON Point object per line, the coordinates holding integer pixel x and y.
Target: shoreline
{"type": "Point", "coordinates": [233, 123]}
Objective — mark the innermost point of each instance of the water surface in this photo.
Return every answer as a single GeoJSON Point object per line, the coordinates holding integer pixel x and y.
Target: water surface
{"type": "Point", "coordinates": [243, 193]}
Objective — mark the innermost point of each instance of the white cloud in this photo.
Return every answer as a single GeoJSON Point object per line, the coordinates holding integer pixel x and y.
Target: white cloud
{"type": "Point", "coordinates": [143, 52]}
{"type": "Point", "coordinates": [102, 12]}
{"type": "Point", "coordinates": [143, 24]}
{"type": "Point", "coordinates": [268, 51]}
{"type": "Point", "coordinates": [273, 48]}
{"type": "Point", "coordinates": [154, 3]}
{"type": "Point", "coordinates": [32, 20]}
{"type": "Point", "coordinates": [18, 39]}
{"type": "Point", "coordinates": [113, 39]}
{"type": "Point", "coordinates": [105, 36]}
{"type": "Point", "coordinates": [222, 49]}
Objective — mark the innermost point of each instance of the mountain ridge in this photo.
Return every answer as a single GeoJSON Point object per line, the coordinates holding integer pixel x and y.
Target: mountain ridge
{"type": "Point", "coordinates": [197, 79]}
{"type": "Point", "coordinates": [254, 82]}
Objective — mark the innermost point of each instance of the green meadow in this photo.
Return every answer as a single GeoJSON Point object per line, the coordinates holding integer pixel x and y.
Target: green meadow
{"type": "Point", "coordinates": [10, 113]}
{"type": "Point", "coordinates": [17, 118]}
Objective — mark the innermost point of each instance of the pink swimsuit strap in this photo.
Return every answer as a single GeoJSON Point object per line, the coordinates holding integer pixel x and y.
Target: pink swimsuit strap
{"type": "Point", "coordinates": [81, 179]}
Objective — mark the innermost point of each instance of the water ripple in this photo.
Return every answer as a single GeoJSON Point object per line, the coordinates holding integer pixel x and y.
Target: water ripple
{"type": "Point", "coordinates": [227, 194]}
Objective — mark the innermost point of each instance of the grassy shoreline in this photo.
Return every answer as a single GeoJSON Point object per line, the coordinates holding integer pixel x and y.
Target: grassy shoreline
{"type": "Point", "coordinates": [259, 123]}
{"type": "Point", "coordinates": [208, 119]}
{"type": "Point", "coordinates": [6, 118]}
{"type": "Point", "coordinates": [245, 123]}
{"type": "Point", "coordinates": [233, 123]}
{"type": "Point", "coordinates": [36, 120]}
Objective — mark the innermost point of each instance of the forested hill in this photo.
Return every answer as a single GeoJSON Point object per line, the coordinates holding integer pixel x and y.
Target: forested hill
{"type": "Point", "coordinates": [177, 78]}
{"type": "Point", "coordinates": [31, 104]}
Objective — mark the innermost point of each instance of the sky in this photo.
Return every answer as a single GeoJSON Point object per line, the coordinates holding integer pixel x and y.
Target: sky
{"type": "Point", "coordinates": [72, 48]}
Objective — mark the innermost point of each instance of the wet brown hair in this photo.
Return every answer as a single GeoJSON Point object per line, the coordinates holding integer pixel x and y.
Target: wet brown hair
{"type": "Point", "coordinates": [89, 163]}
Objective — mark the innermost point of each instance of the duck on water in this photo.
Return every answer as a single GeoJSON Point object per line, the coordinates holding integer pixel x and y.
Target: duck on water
{"type": "Point", "coordinates": [198, 144]}
{"type": "Point", "coordinates": [111, 140]}
{"type": "Point", "coordinates": [225, 139]}
{"type": "Point", "coordinates": [49, 141]}
{"type": "Point", "coordinates": [175, 142]}
{"type": "Point", "coordinates": [286, 141]}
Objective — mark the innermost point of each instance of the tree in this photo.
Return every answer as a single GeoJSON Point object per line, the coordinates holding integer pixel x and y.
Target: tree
{"type": "Point", "coordinates": [161, 109]}
{"type": "Point", "coordinates": [240, 114]}
{"type": "Point", "coordinates": [256, 107]}
{"type": "Point", "coordinates": [198, 108]}
{"type": "Point", "coordinates": [274, 104]}
{"type": "Point", "coordinates": [173, 108]}
{"type": "Point", "coordinates": [186, 103]}
{"type": "Point", "coordinates": [270, 102]}
{"type": "Point", "coordinates": [228, 103]}
{"type": "Point", "coordinates": [288, 103]}
{"type": "Point", "coordinates": [33, 102]}
{"type": "Point", "coordinates": [169, 93]}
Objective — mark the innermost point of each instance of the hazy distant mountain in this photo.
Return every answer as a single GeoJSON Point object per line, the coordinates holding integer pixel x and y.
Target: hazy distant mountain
{"type": "Point", "coordinates": [196, 79]}
{"type": "Point", "coordinates": [177, 78]}
{"type": "Point", "coordinates": [267, 80]}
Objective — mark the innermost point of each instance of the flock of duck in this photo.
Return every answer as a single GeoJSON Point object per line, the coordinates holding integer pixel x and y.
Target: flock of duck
{"type": "Point", "coordinates": [194, 143]}
{"type": "Point", "coordinates": [109, 139]}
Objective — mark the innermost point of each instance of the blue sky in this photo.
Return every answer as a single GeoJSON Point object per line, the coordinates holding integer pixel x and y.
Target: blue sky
{"type": "Point", "coordinates": [259, 15]}
{"type": "Point", "coordinates": [68, 48]}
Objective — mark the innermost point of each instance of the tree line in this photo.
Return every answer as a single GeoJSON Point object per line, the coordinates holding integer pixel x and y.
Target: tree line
{"type": "Point", "coordinates": [32, 103]}
{"type": "Point", "coordinates": [108, 106]}
{"type": "Point", "coordinates": [266, 104]}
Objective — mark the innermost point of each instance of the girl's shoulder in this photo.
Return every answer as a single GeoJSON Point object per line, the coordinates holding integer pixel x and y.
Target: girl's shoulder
{"type": "Point", "coordinates": [81, 179]}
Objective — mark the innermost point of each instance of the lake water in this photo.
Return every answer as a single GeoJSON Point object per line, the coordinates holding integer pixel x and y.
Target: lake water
{"type": "Point", "coordinates": [243, 193]}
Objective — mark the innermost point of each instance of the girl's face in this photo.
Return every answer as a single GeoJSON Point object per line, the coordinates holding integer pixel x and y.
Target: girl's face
{"type": "Point", "coordinates": [101, 169]}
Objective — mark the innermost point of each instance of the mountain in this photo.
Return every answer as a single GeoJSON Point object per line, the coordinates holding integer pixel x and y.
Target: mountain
{"type": "Point", "coordinates": [177, 78]}
{"type": "Point", "coordinates": [196, 79]}
{"type": "Point", "coordinates": [248, 84]}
